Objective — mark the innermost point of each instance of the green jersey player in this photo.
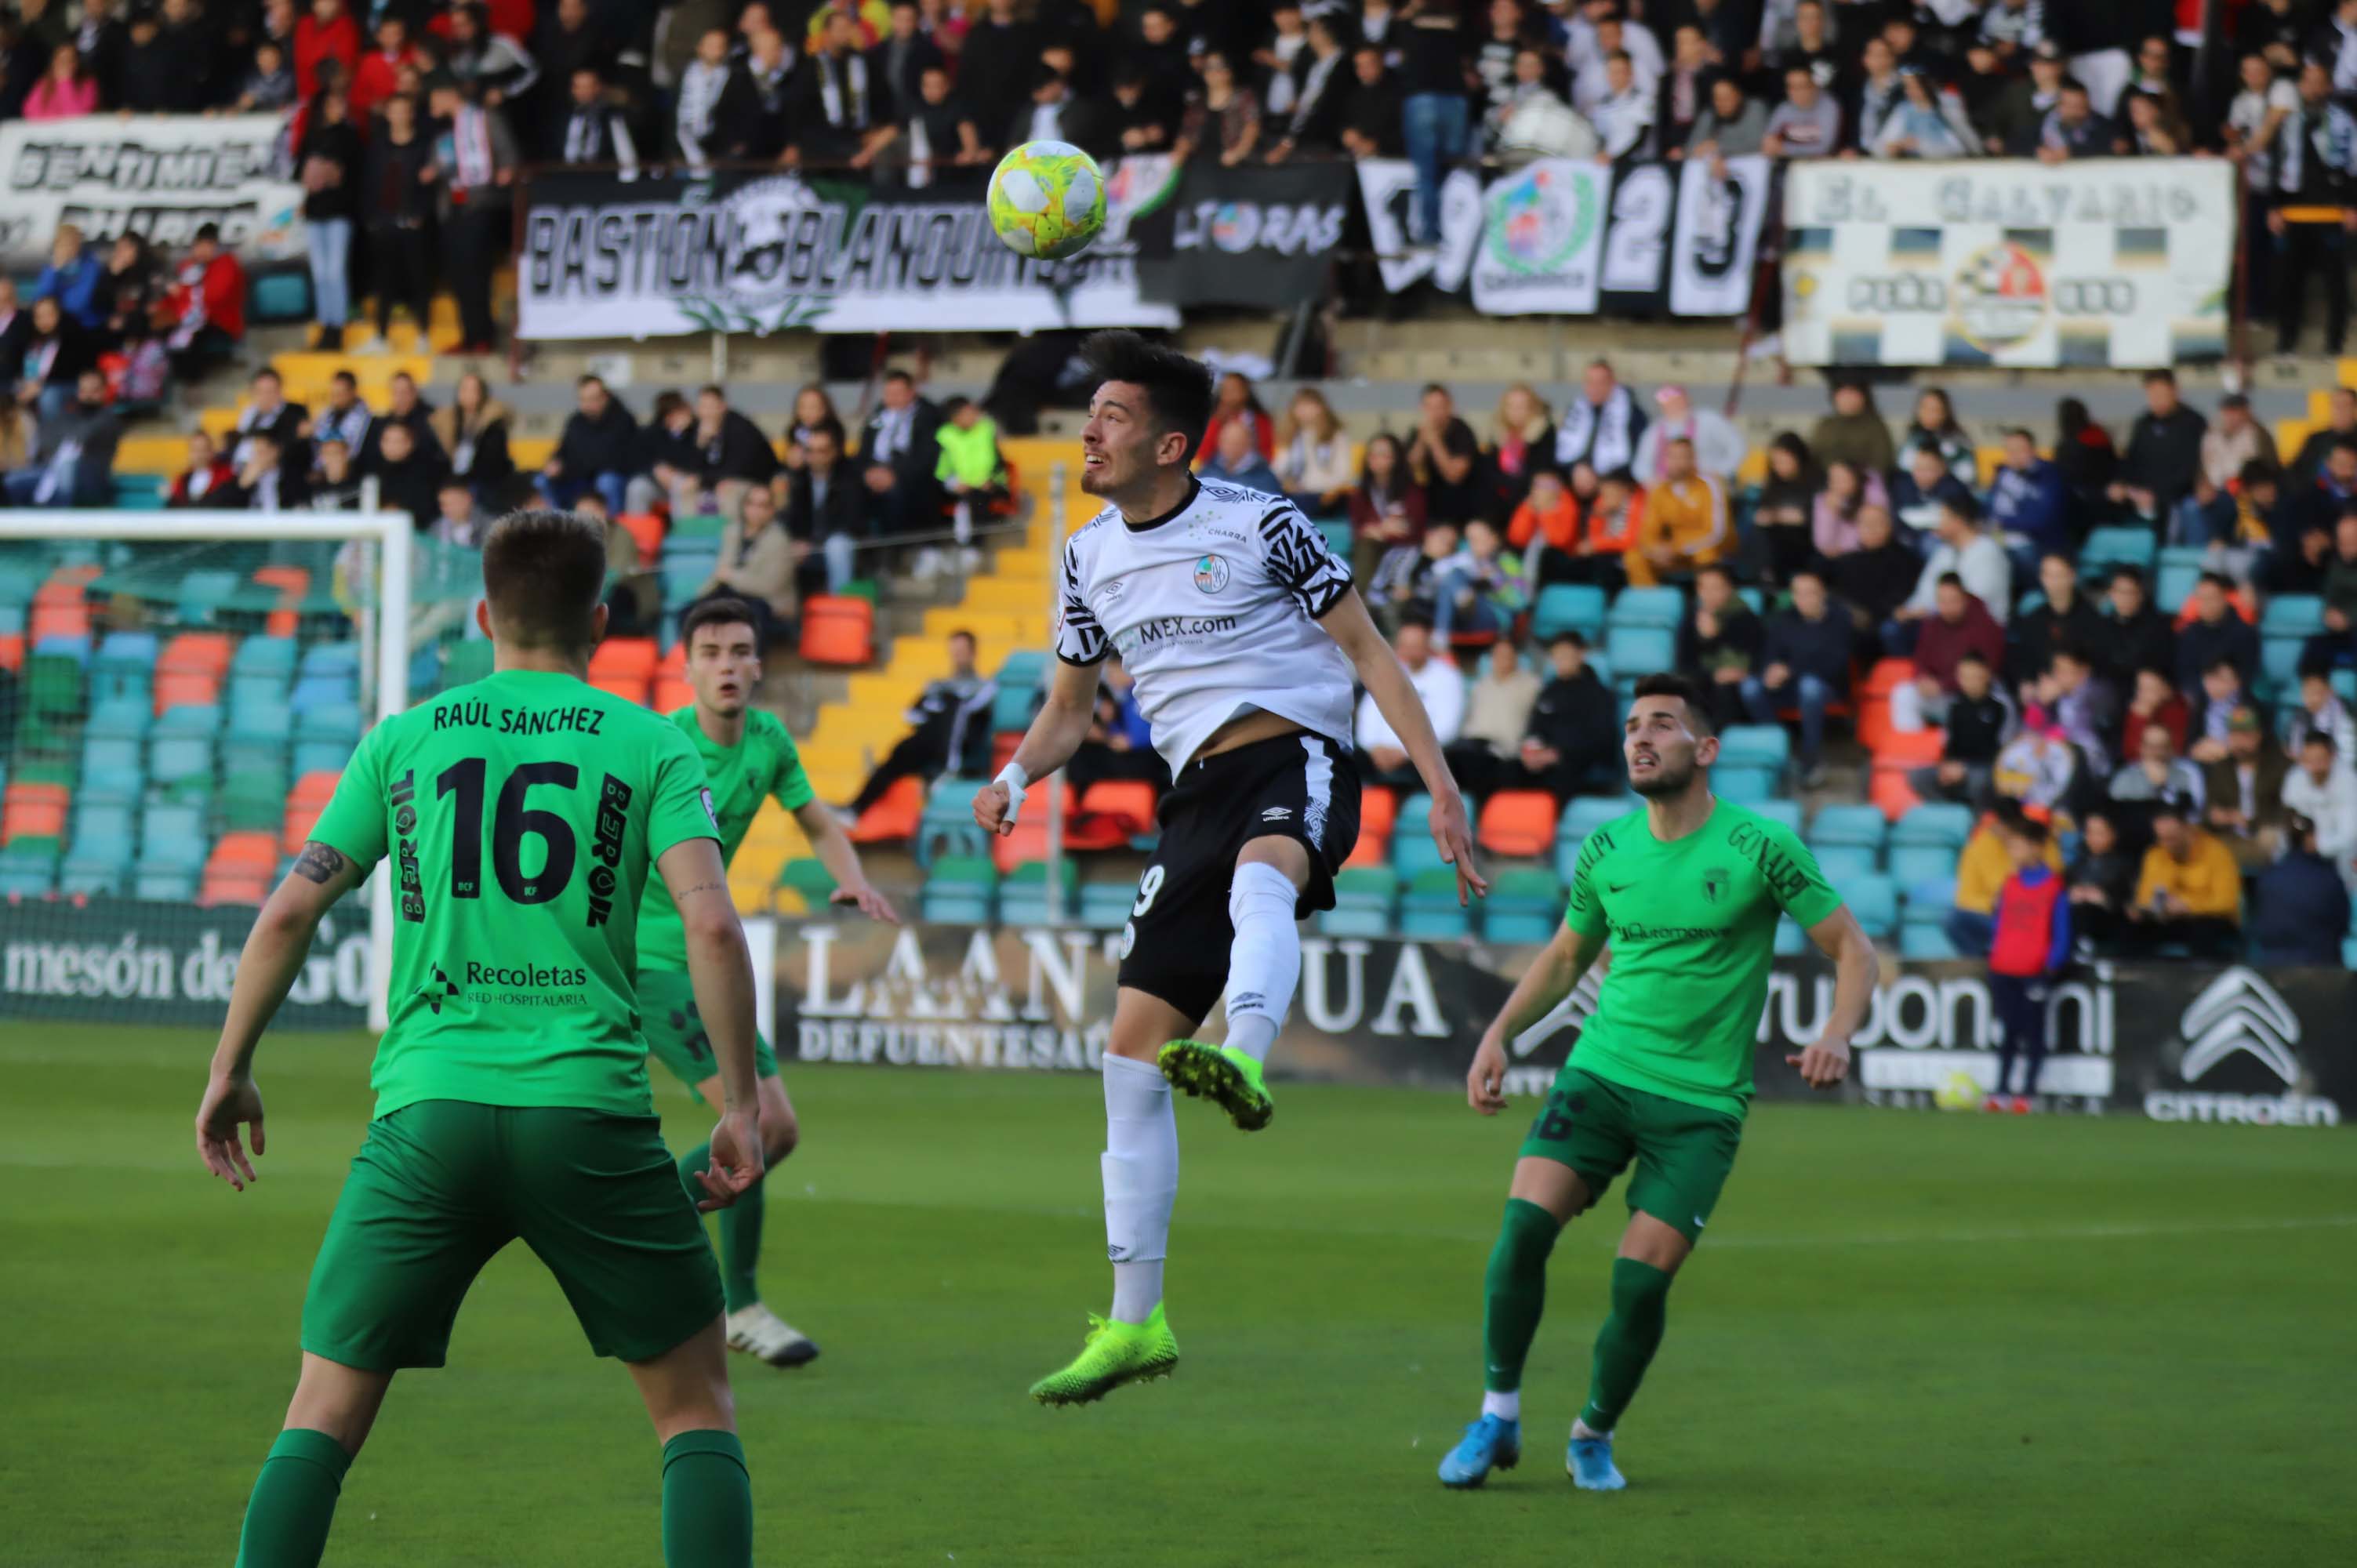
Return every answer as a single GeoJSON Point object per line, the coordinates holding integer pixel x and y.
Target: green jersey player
{"type": "Point", "coordinates": [747, 756]}
{"type": "Point", "coordinates": [525, 814]}
{"type": "Point", "coordinates": [1687, 892]}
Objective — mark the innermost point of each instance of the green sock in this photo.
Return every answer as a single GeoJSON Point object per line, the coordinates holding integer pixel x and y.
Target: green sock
{"type": "Point", "coordinates": [707, 1502]}
{"type": "Point", "coordinates": [740, 1231]}
{"type": "Point", "coordinates": [1515, 1291]}
{"type": "Point", "coordinates": [294, 1501]}
{"type": "Point", "coordinates": [1625, 1344]}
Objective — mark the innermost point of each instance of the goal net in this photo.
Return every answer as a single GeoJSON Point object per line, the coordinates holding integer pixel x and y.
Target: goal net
{"type": "Point", "coordinates": [180, 691]}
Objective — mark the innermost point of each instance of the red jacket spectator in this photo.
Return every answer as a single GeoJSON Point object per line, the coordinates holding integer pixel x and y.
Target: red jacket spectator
{"type": "Point", "coordinates": [1942, 643]}
{"type": "Point", "coordinates": [376, 76]}
{"type": "Point", "coordinates": [220, 287]}
{"type": "Point", "coordinates": [327, 33]}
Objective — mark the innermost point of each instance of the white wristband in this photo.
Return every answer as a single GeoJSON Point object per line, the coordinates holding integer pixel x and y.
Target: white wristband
{"type": "Point", "coordinates": [1015, 779]}
{"type": "Point", "coordinates": [1013, 776]}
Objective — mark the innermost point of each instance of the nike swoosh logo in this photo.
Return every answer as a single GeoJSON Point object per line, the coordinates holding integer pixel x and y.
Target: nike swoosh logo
{"type": "Point", "coordinates": [1699, 1222]}
{"type": "Point", "coordinates": [1619, 886]}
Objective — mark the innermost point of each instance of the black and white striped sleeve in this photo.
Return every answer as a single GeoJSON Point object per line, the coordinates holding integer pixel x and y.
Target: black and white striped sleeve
{"type": "Point", "coordinates": [1078, 638]}
{"type": "Point", "coordinates": [1299, 559]}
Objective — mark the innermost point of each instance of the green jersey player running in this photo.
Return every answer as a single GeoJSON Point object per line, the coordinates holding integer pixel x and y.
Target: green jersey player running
{"type": "Point", "coordinates": [524, 814]}
{"type": "Point", "coordinates": [1686, 892]}
{"type": "Point", "coordinates": [747, 756]}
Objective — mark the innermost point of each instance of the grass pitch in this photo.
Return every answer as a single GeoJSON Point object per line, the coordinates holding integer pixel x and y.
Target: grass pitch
{"type": "Point", "coordinates": [1907, 1339]}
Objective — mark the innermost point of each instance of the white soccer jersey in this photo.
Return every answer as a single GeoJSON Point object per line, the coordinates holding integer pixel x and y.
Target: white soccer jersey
{"type": "Point", "coordinates": [1213, 608]}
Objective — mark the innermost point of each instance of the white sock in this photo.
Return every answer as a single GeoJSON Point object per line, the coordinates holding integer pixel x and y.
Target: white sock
{"type": "Point", "coordinates": [1505, 1406]}
{"type": "Point", "coordinates": [1141, 1182]}
{"type": "Point", "coordinates": [1581, 1429]}
{"type": "Point", "coordinates": [1264, 961]}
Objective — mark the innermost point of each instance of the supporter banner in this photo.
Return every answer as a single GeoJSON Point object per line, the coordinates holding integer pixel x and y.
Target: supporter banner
{"type": "Point", "coordinates": [161, 178]}
{"type": "Point", "coordinates": [1721, 206]}
{"type": "Point", "coordinates": [2175, 1042]}
{"type": "Point", "coordinates": [771, 253]}
{"type": "Point", "coordinates": [1563, 237]}
{"type": "Point", "coordinates": [117, 961]}
{"type": "Point", "coordinates": [2123, 261]}
{"type": "Point", "coordinates": [1258, 237]}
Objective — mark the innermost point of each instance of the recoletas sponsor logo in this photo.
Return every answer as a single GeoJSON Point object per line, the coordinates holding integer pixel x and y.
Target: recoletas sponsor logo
{"type": "Point", "coordinates": [526, 984]}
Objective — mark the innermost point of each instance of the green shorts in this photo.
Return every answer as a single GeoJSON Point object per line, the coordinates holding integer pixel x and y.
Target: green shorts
{"type": "Point", "coordinates": [441, 1184]}
{"type": "Point", "coordinates": [675, 1036]}
{"type": "Point", "coordinates": [1684, 1152]}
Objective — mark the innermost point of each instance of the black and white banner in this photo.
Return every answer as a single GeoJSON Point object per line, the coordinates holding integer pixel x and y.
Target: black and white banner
{"type": "Point", "coordinates": [658, 257]}
{"type": "Point", "coordinates": [1258, 237]}
{"type": "Point", "coordinates": [1565, 237]}
{"type": "Point", "coordinates": [2179, 1042]}
{"type": "Point", "coordinates": [161, 178]}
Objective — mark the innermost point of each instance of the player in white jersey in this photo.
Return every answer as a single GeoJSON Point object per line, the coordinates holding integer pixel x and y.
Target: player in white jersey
{"type": "Point", "coordinates": [1244, 637]}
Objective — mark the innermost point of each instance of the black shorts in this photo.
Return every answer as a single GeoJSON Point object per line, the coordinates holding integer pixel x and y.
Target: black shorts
{"type": "Point", "coordinates": [1299, 787]}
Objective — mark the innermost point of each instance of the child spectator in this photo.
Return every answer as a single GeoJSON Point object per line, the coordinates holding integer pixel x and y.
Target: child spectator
{"type": "Point", "coordinates": [2030, 944]}
{"type": "Point", "coordinates": [1981, 871]}
{"type": "Point", "coordinates": [270, 85]}
{"type": "Point", "coordinates": [1980, 723]}
{"type": "Point", "coordinates": [1787, 506]}
{"type": "Point", "coordinates": [1480, 588]}
{"type": "Point", "coordinates": [1836, 513]}
{"type": "Point", "coordinates": [1546, 529]}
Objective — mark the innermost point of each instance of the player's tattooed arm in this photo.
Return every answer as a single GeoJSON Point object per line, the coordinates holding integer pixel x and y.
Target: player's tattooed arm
{"type": "Point", "coordinates": [318, 863]}
{"type": "Point", "coordinates": [701, 887]}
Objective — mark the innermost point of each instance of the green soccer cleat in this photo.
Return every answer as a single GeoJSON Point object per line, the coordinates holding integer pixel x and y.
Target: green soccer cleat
{"type": "Point", "coordinates": [1113, 1354]}
{"type": "Point", "coordinates": [1222, 1074]}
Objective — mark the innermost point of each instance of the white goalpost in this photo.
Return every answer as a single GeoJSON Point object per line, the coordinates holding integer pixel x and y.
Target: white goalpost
{"type": "Point", "coordinates": [383, 620]}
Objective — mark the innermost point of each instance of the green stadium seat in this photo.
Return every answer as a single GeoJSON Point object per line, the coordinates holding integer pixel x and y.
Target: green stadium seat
{"type": "Point", "coordinates": [1873, 899]}
{"type": "Point", "coordinates": [202, 593]}
{"type": "Point", "coordinates": [1363, 897]}
{"type": "Point", "coordinates": [1744, 784]}
{"type": "Point", "coordinates": [1790, 940]}
{"type": "Point", "coordinates": [1429, 911]}
{"type": "Point", "coordinates": [1767, 746]}
{"type": "Point", "coordinates": [181, 749]}
{"type": "Point", "coordinates": [124, 667]}
{"type": "Point", "coordinates": [28, 868]}
{"type": "Point", "coordinates": [164, 884]}
{"type": "Point", "coordinates": [282, 294]}
{"type": "Point", "coordinates": [1850, 824]}
{"type": "Point", "coordinates": [1637, 651]}
{"type": "Point", "coordinates": [961, 889]}
{"type": "Point", "coordinates": [708, 526]}
{"type": "Point", "coordinates": [2118, 547]}
{"type": "Point", "coordinates": [1568, 606]}
{"type": "Point", "coordinates": [1023, 897]}
{"type": "Point", "coordinates": [1926, 943]}
{"type": "Point", "coordinates": [1012, 707]}
{"type": "Point", "coordinates": [1524, 905]}
{"type": "Point", "coordinates": [1660, 607]}
{"type": "Point", "coordinates": [1338, 537]}
{"type": "Point", "coordinates": [1845, 863]}
{"type": "Point", "coordinates": [1106, 905]}
{"type": "Point", "coordinates": [2292, 615]}
{"type": "Point", "coordinates": [1917, 864]}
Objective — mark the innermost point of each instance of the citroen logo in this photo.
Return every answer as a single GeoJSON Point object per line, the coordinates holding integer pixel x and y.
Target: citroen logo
{"type": "Point", "coordinates": [2239, 1012]}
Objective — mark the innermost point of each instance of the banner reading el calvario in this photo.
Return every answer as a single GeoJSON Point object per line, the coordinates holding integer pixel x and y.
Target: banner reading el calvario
{"type": "Point", "coordinates": [2125, 263]}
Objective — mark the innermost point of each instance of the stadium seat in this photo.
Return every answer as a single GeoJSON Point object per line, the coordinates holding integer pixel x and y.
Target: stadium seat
{"type": "Point", "coordinates": [325, 738]}
{"type": "Point", "coordinates": [946, 825]}
{"type": "Point", "coordinates": [172, 834]}
{"type": "Point", "coordinates": [1943, 823]}
{"type": "Point", "coordinates": [164, 884]}
{"type": "Point", "coordinates": [1925, 942]}
{"type": "Point", "coordinates": [646, 530]}
{"type": "Point", "coordinates": [1379, 811]}
{"type": "Point", "coordinates": [1126, 804]}
{"type": "Point", "coordinates": [1012, 706]}
{"type": "Point", "coordinates": [671, 693]}
{"type": "Point", "coordinates": [1586, 813]}
{"type": "Point", "coordinates": [895, 818]}
{"type": "Point", "coordinates": [1745, 784]}
{"type": "Point", "coordinates": [97, 866]}
{"type": "Point", "coordinates": [27, 871]}
{"type": "Point", "coordinates": [281, 294]}
{"type": "Point", "coordinates": [53, 676]}
{"type": "Point", "coordinates": [1518, 823]}
{"type": "Point", "coordinates": [1429, 911]}
{"type": "Point", "coordinates": [1024, 893]}
{"type": "Point", "coordinates": [1916, 865]}
{"type": "Point", "coordinates": [1023, 667]}
{"type": "Point", "coordinates": [181, 748]}
{"type": "Point", "coordinates": [2292, 615]}
{"type": "Point", "coordinates": [1790, 940]}
{"type": "Point", "coordinates": [1759, 745]}
{"type": "Point", "coordinates": [838, 631]}
{"type": "Point", "coordinates": [1873, 899]}
{"type": "Point", "coordinates": [1844, 823]}
{"type": "Point", "coordinates": [1363, 897]}
{"type": "Point", "coordinates": [1845, 863]}
{"type": "Point", "coordinates": [1413, 852]}
{"type": "Point", "coordinates": [1640, 649]}
{"type": "Point", "coordinates": [620, 658]}
{"type": "Point", "coordinates": [1662, 609]}
{"type": "Point", "coordinates": [1524, 905]}
{"type": "Point", "coordinates": [309, 799]}
{"type": "Point", "coordinates": [33, 811]}
{"type": "Point", "coordinates": [1568, 607]}
{"type": "Point", "coordinates": [2117, 547]}
{"type": "Point", "coordinates": [959, 889]}
{"type": "Point", "coordinates": [2175, 584]}
{"type": "Point", "coordinates": [124, 667]}
{"type": "Point", "coordinates": [1787, 812]}
{"type": "Point", "coordinates": [1106, 905]}
{"type": "Point", "coordinates": [313, 692]}
{"type": "Point", "coordinates": [1892, 795]}
{"type": "Point", "coordinates": [201, 593]}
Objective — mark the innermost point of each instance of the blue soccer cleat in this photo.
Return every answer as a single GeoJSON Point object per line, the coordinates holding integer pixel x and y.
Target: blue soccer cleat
{"type": "Point", "coordinates": [1589, 1462]}
{"type": "Point", "coordinates": [1491, 1444]}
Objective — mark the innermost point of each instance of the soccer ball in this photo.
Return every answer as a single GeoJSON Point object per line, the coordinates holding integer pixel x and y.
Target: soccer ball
{"type": "Point", "coordinates": [1958, 1093]}
{"type": "Point", "coordinates": [1047, 199]}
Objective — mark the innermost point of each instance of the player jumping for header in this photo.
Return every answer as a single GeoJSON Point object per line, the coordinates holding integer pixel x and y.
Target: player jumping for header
{"type": "Point", "coordinates": [1687, 891]}
{"type": "Point", "coordinates": [1243, 633]}
{"type": "Point", "coordinates": [747, 756]}
{"type": "Point", "coordinates": [524, 813]}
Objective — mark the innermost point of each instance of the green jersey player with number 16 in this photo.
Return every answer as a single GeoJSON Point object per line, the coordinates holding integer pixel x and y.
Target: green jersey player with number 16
{"type": "Point", "coordinates": [524, 815]}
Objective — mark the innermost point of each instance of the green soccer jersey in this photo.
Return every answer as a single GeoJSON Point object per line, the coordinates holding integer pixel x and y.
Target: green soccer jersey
{"type": "Point", "coordinates": [524, 813]}
{"type": "Point", "coordinates": [1693, 929]}
{"type": "Point", "coordinates": [764, 762]}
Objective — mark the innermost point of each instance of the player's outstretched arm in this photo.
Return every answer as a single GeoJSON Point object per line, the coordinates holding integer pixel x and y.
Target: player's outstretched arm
{"type": "Point", "coordinates": [1855, 970]}
{"type": "Point", "coordinates": [835, 852]}
{"type": "Point", "coordinates": [721, 970]}
{"type": "Point", "coordinates": [274, 955]}
{"type": "Point", "coordinates": [1385, 679]}
{"type": "Point", "coordinates": [1056, 732]}
{"type": "Point", "coordinates": [1540, 989]}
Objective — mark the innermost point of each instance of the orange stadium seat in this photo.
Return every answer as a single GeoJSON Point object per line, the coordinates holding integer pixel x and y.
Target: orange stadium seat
{"type": "Point", "coordinates": [629, 688]}
{"type": "Point", "coordinates": [1378, 811]}
{"type": "Point", "coordinates": [69, 617]}
{"type": "Point", "coordinates": [647, 528]}
{"type": "Point", "coordinates": [254, 852]}
{"type": "Point", "coordinates": [893, 819]}
{"type": "Point", "coordinates": [1375, 847]}
{"type": "Point", "coordinates": [671, 693]}
{"type": "Point", "coordinates": [33, 811]}
{"type": "Point", "coordinates": [1917, 750]}
{"type": "Point", "coordinates": [12, 652]}
{"type": "Point", "coordinates": [1125, 803]}
{"type": "Point", "coordinates": [1519, 823]}
{"type": "Point", "coordinates": [1891, 791]}
{"type": "Point", "coordinates": [232, 888]}
{"type": "Point", "coordinates": [838, 631]}
{"type": "Point", "coordinates": [625, 656]}
{"type": "Point", "coordinates": [312, 792]}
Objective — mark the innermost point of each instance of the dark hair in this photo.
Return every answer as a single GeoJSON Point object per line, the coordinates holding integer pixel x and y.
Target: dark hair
{"type": "Point", "coordinates": [1961, 503]}
{"type": "Point", "coordinates": [2223, 662]}
{"type": "Point", "coordinates": [2025, 435]}
{"type": "Point", "coordinates": [961, 631]}
{"type": "Point", "coordinates": [2218, 580]}
{"type": "Point", "coordinates": [714, 389]}
{"type": "Point", "coordinates": [1717, 569]}
{"type": "Point", "coordinates": [347, 379]}
{"type": "Point", "coordinates": [2132, 573]}
{"type": "Point", "coordinates": [544, 572]}
{"type": "Point", "coordinates": [1666, 685]}
{"type": "Point", "coordinates": [1177, 388]}
{"type": "Point", "coordinates": [272, 373]}
{"type": "Point", "coordinates": [722, 611]}
{"type": "Point", "coordinates": [2172, 804]}
{"type": "Point", "coordinates": [208, 233]}
{"type": "Point", "coordinates": [2161, 375]}
{"type": "Point", "coordinates": [1953, 580]}
{"type": "Point", "coordinates": [588, 381]}
{"type": "Point", "coordinates": [1568, 635]}
{"type": "Point", "coordinates": [2026, 826]}
{"type": "Point", "coordinates": [2313, 736]}
{"type": "Point", "coordinates": [1969, 656]}
{"type": "Point", "coordinates": [2259, 471]}
{"type": "Point", "coordinates": [899, 375]}
{"type": "Point", "coordinates": [2076, 653]}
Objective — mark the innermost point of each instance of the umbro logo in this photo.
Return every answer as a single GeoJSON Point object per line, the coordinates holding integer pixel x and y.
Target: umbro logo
{"type": "Point", "coordinates": [2239, 1012]}
{"type": "Point", "coordinates": [1276, 813]}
